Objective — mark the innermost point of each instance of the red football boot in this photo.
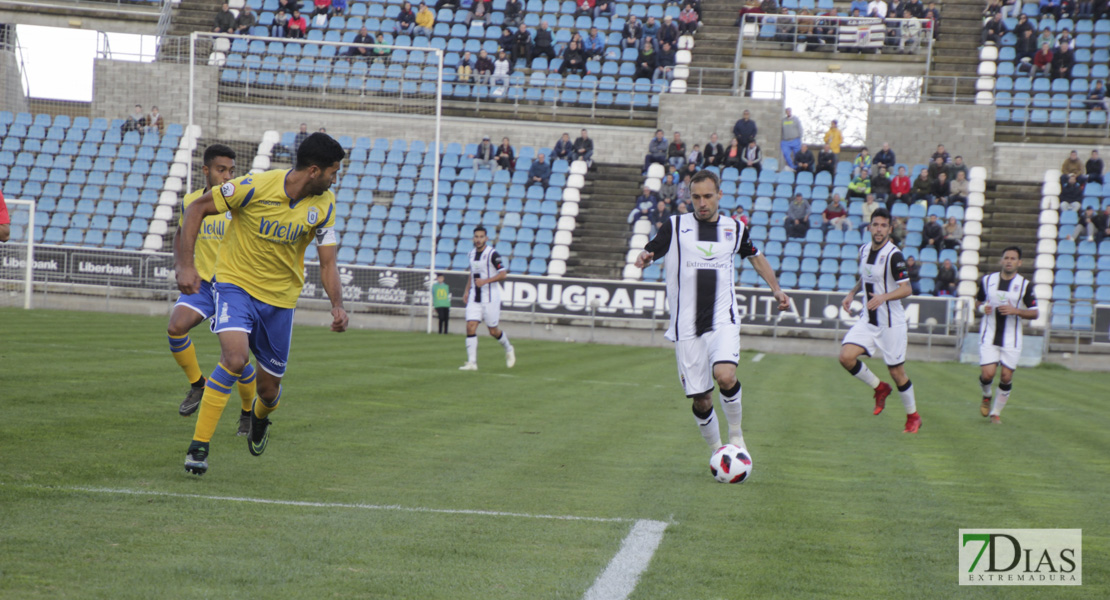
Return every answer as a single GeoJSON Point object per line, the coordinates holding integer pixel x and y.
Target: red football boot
{"type": "Point", "coordinates": [913, 423]}
{"type": "Point", "coordinates": [881, 393]}
{"type": "Point", "coordinates": [985, 407]}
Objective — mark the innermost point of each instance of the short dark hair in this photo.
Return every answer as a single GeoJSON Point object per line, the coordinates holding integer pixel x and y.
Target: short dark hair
{"type": "Point", "coordinates": [705, 175]}
{"type": "Point", "coordinates": [319, 150]}
{"type": "Point", "coordinates": [880, 212]}
{"type": "Point", "coordinates": [482, 229]}
{"type": "Point", "coordinates": [1012, 249]}
{"type": "Point", "coordinates": [216, 150]}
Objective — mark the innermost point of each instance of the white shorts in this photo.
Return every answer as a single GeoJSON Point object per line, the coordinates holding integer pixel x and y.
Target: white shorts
{"type": "Point", "coordinates": [990, 354]}
{"type": "Point", "coordinates": [891, 341]}
{"type": "Point", "coordinates": [697, 356]}
{"type": "Point", "coordinates": [488, 312]}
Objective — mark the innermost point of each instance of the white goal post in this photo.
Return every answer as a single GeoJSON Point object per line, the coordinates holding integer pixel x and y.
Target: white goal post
{"type": "Point", "coordinates": [19, 251]}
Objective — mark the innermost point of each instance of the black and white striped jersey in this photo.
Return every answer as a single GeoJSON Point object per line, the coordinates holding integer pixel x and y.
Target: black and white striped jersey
{"type": "Point", "coordinates": [700, 272]}
{"type": "Point", "coordinates": [1000, 330]}
{"type": "Point", "coordinates": [881, 270]}
{"type": "Point", "coordinates": [483, 265]}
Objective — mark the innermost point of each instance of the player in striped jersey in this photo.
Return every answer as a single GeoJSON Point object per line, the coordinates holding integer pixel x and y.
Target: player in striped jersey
{"type": "Point", "coordinates": [483, 299]}
{"type": "Point", "coordinates": [698, 250]}
{"type": "Point", "coordinates": [882, 326]}
{"type": "Point", "coordinates": [1001, 296]}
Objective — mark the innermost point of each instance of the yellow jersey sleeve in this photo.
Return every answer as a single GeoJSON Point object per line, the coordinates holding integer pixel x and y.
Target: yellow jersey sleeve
{"type": "Point", "coordinates": [211, 233]}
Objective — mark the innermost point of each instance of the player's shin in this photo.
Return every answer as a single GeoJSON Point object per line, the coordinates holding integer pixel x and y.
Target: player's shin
{"type": "Point", "coordinates": [906, 391]}
{"type": "Point", "coordinates": [263, 407]}
{"type": "Point", "coordinates": [186, 356]}
{"type": "Point", "coordinates": [216, 392]}
{"type": "Point", "coordinates": [734, 413]}
{"type": "Point", "coordinates": [985, 384]}
{"type": "Point", "coordinates": [707, 426]}
{"type": "Point", "coordinates": [504, 341]}
{"type": "Point", "coordinates": [862, 373]}
{"type": "Point", "coordinates": [247, 387]}
{"type": "Point", "coordinates": [1001, 397]}
{"type": "Point", "coordinates": [472, 348]}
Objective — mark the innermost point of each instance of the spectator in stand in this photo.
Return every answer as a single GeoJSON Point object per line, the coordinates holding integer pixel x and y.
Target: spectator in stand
{"type": "Point", "coordinates": [932, 235]}
{"type": "Point", "coordinates": [1094, 168]}
{"type": "Point", "coordinates": [632, 33]}
{"type": "Point", "coordinates": [791, 138]}
{"type": "Point", "coordinates": [297, 26]}
{"type": "Point", "coordinates": [1102, 225]}
{"type": "Point", "coordinates": [363, 37]}
{"type": "Point", "coordinates": [877, 9]}
{"type": "Point", "coordinates": [543, 44]}
{"type": "Point", "coordinates": [922, 188]}
{"type": "Point", "coordinates": [900, 188]}
{"type": "Point", "coordinates": [803, 160]}
{"type": "Point", "coordinates": [738, 214]}
{"type": "Point", "coordinates": [1012, 8]}
{"type": "Point", "coordinates": [826, 160]}
{"type": "Point", "coordinates": [898, 231]}
{"type": "Point", "coordinates": [752, 157]}
{"type": "Point", "coordinates": [942, 189]}
{"type": "Point", "coordinates": [381, 50]}
{"type": "Point", "coordinates": [665, 63]}
{"type": "Point", "coordinates": [584, 148]}
{"type": "Point", "coordinates": [946, 280]}
{"type": "Point", "coordinates": [695, 157]}
{"type": "Point", "coordinates": [657, 150]}
{"type": "Point", "coordinates": [942, 153]}
{"type": "Point", "coordinates": [136, 121]}
{"type": "Point", "coordinates": [959, 189]}
{"type": "Point", "coordinates": [745, 129]}
{"type": "Point", "coordinates": [913, 271]}
{"type": "Point", "coordinates": [688, 21]}
{"type": "Point", "coordinates": [154, 122]}
{"type": "Point", "coordinates": [1096, 97]}
{"type": "Point", "coordinates": [860, 186]}
{"type": "Point", "coordinates": [1064, 37]}
{"type": "Point", "coordinates": [1042, 61]}
{"type": "Point", "coordinates": [502, 68]}
{"type": "Point", "coordinates": [540, 171]}
{"type": "Point", "coordinates": [338, 7]}
{"type": "Point", "coordinates": [659, 213]}
{"type": "Point", "coordinates": [797, 217]}
{"type": "Point", "coordinates": [465, 71]}
{"type": "Point", "coordinates": [957, 167]}
{"type": "Point", "coordinates": [225, 20]}
{"type": "Point", "coordinates": [1023, 23]}
{"type": "Point", "coordinates": [584, 8]}
{"type": "Point", "coordinates": [646, 61]}
{"type": "Point", "coordinates": [301, 136]}
{"type": "Point", "coordinates": [668, 189]}
{"type": "Point", "coordinates": [936, 168]}
{"type": "Point", "coordinates": [564, 149]}
{"type": "Point", "coordinates": [651, 30]}
{"type": "Point", "coordinates": [714, 152]}
{"type": "Point", "coordinates": [676, 152]}
{"type": "Point", "coordinates": [246, 19]}
{"type": "Point", "coordinates": [1072, 166]}
{"type": "Point", "coordinates": [1086, 225]}
{"type": "Point", "coordinates": [953, 234]}
{"type": "Point", "coordinates": [733, 156]}
{"type": "Point", "coordinates": [425, 20]}
{"type": "Point", "coordinates": [603, 8]}
{"type": "Point", "coordinates": [1026, 46]}
{"type": "Point", "coordinates": [507, 42]}
{"type": "Point", "coordinates": [406, 19]}
{"type": "Point", "coordinates": [869, 206]}
{"type": "Point", "coordinates": [862, 161]}
{"type": "Point", "coordinates": [1071, 193]}
{"type": "Point", "coordinates": [1085, 9]}
{"type": "Point", "coordinates": [321, 7]}
{"type": "Point", "coordinates": [506, 156]}
{"type": "Point", "coordinates": [1062, 62]}
{"type": "Point", "coordinates": [289, 6]}
{"type": "Point", "coordinates": [932, 19]}
{"type": "Point", "coordinates": [835, 215]}
{"type": "Point", "coordinates": [834, 138]}
{"type": "Point", "coordinates": [514, 14]}
{"type": "Point", "coordinates": [279, 28]}
{"type": "Point", "coordinates": [994, 7]}
{"type": "Point", "coordinates": [483, 68]}
{"type": "Point", "coordinates": [643, 205]}
{"type": "Point", "coordinates": [885, 157]}
{"type": "Point", "coordinates": [880, 184]}
{"type": "Point", "coordinates": [485, 156]}
{"type": "Point", "coordinates": [993, 30]}
{"type": "Point", "coordinates": [594, 45]}
{"type": "Point", "coordinates": [574, 60]}
{"type": "Point", "coordinates": [751, 8]}
{"type": "Point", "coordinates": [478, 12]}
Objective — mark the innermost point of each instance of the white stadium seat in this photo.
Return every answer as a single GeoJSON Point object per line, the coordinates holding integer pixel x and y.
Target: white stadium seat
{"type": "Point", "coordinates": [653, 183]}
{"type": "Point", "coordinates": [1050, 203]}
{"type": "Point", "coordinates": [566, 224]}
{"type": "Point", "coordinates": [1052, 175]}
{"type": "Point", "coordinates": [632, 273]}
{"type": "Point", "coordinates": [261, 162]}
{"type": "Point", "coordinates": [686, 42]}
{"type": "Point", "coordinates": [985, 84]}
{"type": "Point", "coordinates": [681, 73]}
{"type": "Point", "coordinates": [271, 136]}
{"type": "Point", "coordinates": [656, 171]}
{"type": "Point", "coordinates": [158, 227]}
{"type": "Point", "coordinates": [173, 184]}
{"type": "Point", "coordinates": [1047, 232]}
{"type": "Point", "coordinates": [973, 214]}
{"type": "Point", "coordinates": [641, 227]}
{"type": "Point", "coordinates": [1051, 188]}
{"type": "Point", "coordinates": [1042, 291]}
{"type": "Point", "coordinates": [971, 242]}
{"type": "Point", "coordinates": [560, 252]}
{"type": "Point", "coordinates": [984, 98]}
{"type": "Point", "coordinates": [163, 212]}
{"type": "Point", "coordinates": [969, 273]}
{"type": "Point", "coordinates": [988, 53]}
{"type": "Point", "coordinates": [217, 59]}
{"type": "Point", "coordinates": [179, 170]}
{"type": "Point", "coordinates": [977, 173]}
{"type": "Point", "coordinates": [563, 237]}
{"type": "Point", "coordinates": [557, 268]}
{"type": "Point", "coordinates": [571, 195]}
{"type": "Point", "coordinates": [167, 199]}
{"type": "Point", "coordinates": [631, 256]}
{"type": "Point", "coordinates": [979, 185]}
{"type": "Point", "coordinates": [579, 167]}
{"type": "Point", "coordinates": [682, 57]}
{"type": "Point", "coordinates": [987, 69]}
{"type": "Point", "coordinates": [966, 288]}
{"type": "Point", "coordinates": [973, 228]}
{"type": "Point", "coordinates": [1044, 276]}
{"type": "Point", "coordinates": [181, 156]}
{"type": "Point", "coordinates": [638, 241]}
{"type": "Point", "coordinates": [1050, 217]}
{"type": "Point", "coordinates": [576, 181]}
{"type": "Point", "coordinates": [153, 243]}
{"type": "Point", "coordinates": [1046, 247]}
{"type": "Point", "coordinates": [969, 258]}
{"type": "Point", "coordinates": [569, 209]}
{"type": "Point", "coordinates": [678, 86]}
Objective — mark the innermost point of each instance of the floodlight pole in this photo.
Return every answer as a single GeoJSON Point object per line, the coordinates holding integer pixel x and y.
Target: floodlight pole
{"type": "Point", "coordinates": [435, 186]}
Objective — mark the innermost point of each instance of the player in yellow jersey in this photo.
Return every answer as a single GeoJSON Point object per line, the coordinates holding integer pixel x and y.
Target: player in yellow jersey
{"type": "Point", "coordinates": [259, 275]}
{"type": "Point", "coordinates": [191, 309]}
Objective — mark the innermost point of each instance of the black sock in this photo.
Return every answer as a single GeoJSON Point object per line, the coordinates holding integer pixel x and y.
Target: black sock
{"type": "Point", "coordinates": [200, 382]}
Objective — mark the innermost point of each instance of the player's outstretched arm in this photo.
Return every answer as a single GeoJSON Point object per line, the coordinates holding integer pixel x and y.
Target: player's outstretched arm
{"type": "Point", "coordinates": [185, 242]}
{"type": "Point", "coordinates": [329, 275]}
{"type": "Point", "coordinates": [761, 266]}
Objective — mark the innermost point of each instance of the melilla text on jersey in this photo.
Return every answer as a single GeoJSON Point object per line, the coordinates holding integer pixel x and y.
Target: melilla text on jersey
{"type": "Point", "coordinates": [278, 232]}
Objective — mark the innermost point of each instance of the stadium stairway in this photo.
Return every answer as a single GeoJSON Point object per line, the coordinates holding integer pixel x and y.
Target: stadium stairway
{"type": "Point", "coordinates": [956, 52]}
{"type": "Point", "coordinates": [601, 234]}
{"type": "Point", "coordinates": [194, 15]}
{"type": "Point", "coordinates": [1011, 214]}
{"type": "Point", "coordinates": [715, 47]}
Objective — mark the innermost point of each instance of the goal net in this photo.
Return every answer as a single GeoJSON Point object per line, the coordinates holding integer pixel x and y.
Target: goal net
{"type": "Point", "coordinates": [17, 255]}
{"type": "Point", "coordinates": [381, 100]}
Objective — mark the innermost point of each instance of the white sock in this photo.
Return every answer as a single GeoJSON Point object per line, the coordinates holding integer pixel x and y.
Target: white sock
{"type": "Point", "coordinates": [504, 339]}
{"type": "Point", "coordinates": [986, 385]}
{"type": "Point", "coordinates": [472, 349]}
{"type": "Point", "coordinates": [907, 398]}
{"type": "Point", "coordinates": [1001, 398]}
{"type": "Point", "coordinates": [734, 414]}
{"type": "Point", "coordinates": [710, 431]}
{"type": "Point", "coordinates": [865, 375]}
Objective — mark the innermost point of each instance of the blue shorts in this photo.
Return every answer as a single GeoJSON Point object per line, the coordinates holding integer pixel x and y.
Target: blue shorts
{"type": "Point", "coordinates": [269, 328]}
{"type": "Point", "coordinates": [201, 301]}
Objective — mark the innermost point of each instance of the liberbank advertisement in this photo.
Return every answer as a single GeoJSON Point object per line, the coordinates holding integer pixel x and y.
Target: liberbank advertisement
{"type": "Point", "coordinates": [550, 296]}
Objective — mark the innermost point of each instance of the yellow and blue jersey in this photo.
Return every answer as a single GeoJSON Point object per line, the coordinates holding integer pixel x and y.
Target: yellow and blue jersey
{"type": "Point", "coordinates": [208, 240]}
{"type": "Point", "coordinates": [263, 249]}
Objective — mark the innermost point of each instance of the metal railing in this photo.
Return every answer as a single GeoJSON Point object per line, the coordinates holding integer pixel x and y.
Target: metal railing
{"type": "Point", "coordinates": [1058, 119]}
{"type": "Point", "coordinates": [165, 17]}
{"type": "Point", "coordinates": [937, 88]}
{"type": "Point", "coordinates": [819, 33]}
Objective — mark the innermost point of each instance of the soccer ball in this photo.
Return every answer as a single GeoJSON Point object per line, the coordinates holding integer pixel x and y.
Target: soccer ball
{"type": "Point", "coordinates": [730, 464]}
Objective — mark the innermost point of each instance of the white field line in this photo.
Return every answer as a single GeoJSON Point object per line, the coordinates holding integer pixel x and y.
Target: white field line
{"type": "Point", "coordinates": [618, 580]}
{"type": "Point", "coordinates": [758, 357]}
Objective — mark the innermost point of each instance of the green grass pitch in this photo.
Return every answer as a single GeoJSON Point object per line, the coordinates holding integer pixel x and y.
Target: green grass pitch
{"type": "Point", "coordinates": [841, 503]}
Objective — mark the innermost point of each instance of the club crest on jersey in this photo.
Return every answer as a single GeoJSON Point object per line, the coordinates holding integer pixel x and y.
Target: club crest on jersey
{"type": "Point", "coordinates": [227, 215]}
{"type": "Point", "coordinates": [227, 190]}
{"type": "Point", "coordinates": [312, 216]}
{"type": "Point", "coordinates": [728, 235]}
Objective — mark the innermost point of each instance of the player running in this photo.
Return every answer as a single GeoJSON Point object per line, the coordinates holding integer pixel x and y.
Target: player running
{"type": "Point", "coordinates": [698, 250]}
{"type": "Point", "coordinates": [483, 299]}
{"type": "Point", "coordinates": [260, 274]}
{"type": "Point", "coordinates": [1001, 295]}
{"type": "Point", "coordinates": [883, 277]}
{"type": "Point", "coordinates": [191, 309]}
